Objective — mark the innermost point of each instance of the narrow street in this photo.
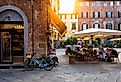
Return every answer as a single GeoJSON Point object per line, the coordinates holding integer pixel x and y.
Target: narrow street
{"type": "Point", "coordinates": [65, 72]}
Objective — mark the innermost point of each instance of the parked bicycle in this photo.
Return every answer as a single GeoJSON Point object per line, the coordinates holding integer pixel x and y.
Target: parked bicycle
{"type": "Point", "coordinates": [44, 62]}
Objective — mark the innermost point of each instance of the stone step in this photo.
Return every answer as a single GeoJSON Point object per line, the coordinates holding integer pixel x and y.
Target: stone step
{"type": "Point", "coordinates": [14, 65]}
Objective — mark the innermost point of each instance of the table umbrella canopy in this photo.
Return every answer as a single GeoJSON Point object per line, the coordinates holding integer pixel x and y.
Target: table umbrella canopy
{"type": "Point", "coordinates": [96, 31]}
{"type": "Point", "coordinates": [115, 39]}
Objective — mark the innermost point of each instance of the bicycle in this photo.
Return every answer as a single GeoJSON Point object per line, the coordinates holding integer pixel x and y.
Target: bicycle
{"type": "Point", "coordinates": [44, 62]}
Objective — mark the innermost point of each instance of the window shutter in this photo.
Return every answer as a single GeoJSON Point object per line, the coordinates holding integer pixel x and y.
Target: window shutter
{"type": "Point", "coordinates": [86, 14]}
{"type": "Point", "coordinates": [106, 26]}
{"type": "Point", "coordinates": [118, 14]}
{"type": "Point", "coordinates": [71, 16]}
{"type": "Point", "coordinates": [98, 26]}
{"type": "Point", "coordinates": [93, 14]}
{"type": "Point", "coordinates": [119, 26]}
{"type": "Point", "coordinates": [111, 14]}
{"type": "Point", "coordinates": [111, 26]}
{"type": "Point", "coordinates": [82, 26]}
{"type": "Point", "coordinates": [75, 16]}
{"type": "Point", "coordinates": [65, 16]}
{"type": "Point", "coordinates": [86, 26]}
{"type": "Point", "coordinates": [98, 14]}
{"type": "Point", "coordinates": [82, 14]}
{"type": "Point", "coordinates": [106, 14]}
{"type": "Point", "coordinates": [93, 25]}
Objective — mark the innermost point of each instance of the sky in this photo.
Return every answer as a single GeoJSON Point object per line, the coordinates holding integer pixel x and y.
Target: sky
{"type": "Point", "coordinates": [67, 6]}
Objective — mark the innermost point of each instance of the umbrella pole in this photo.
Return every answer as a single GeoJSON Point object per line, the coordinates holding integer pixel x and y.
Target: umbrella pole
{"type": "Point", "coordinates": [92, 40]}
{"type": "Point", "coordinates": [92, 46]}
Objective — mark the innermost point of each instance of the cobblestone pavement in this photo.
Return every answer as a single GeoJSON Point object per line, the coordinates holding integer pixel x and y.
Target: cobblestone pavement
{"type": "Point", "coordinates": [80, 72]}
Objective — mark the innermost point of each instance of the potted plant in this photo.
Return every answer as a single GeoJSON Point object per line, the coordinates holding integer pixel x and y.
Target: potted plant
{"type": "Point", "coordinates": [72, 58]}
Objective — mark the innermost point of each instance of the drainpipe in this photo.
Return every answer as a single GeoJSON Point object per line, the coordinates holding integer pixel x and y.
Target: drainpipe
{"type": "Point", "coordinates": [32, 13]}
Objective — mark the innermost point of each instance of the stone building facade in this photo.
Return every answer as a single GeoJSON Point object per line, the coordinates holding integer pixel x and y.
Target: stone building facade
{"type": "Point", "coordinates": [28, 21]}
{"type": "Point", "coordinates": [99, 14]}
{"type": "Point", "coordinates": [71, 21]}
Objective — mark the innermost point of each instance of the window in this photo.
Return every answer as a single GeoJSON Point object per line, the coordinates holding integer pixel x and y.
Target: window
{"type": "Point", "coordinates": [73, 16]}
{"type": "Point", "coordinates": [84, 26]}
{"type": "Point", "coordinates": [118, 2]}
{"type": "Point", "coordinates": [93, 3]}
{"type": "Point", "coordinates": [119, 26]}
{"type": "Point", "coordinates": [111, 3]}
{"type": "Point", "coordinates": [97, 3]}
{"type": "Point", "coordinates": [84, 14]}
{"type": "Point", "coordinates": [109, 26]}
{"type": "Point", "coordinates": [119, 14]}
{"type": "Point", "coordinates": [105, 3]}
{"type": "Point", "coordinates": [96, 26]}
{"type": "Point", "coordinates": [74, 26]}
{"type": "Point", "coordinates": [108, 14]}
{"type": "Point", "coordinates": [68, 16]}
{"type": "Point", "coordinates": [63, 16]}
{"type": "Point", "coordinates": [96, 14]}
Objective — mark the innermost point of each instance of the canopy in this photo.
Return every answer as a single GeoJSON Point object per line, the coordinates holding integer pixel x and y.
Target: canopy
{"type": "Point", "coordinates": [95, 32]}
{"type": "Point", "coordinates": [56, 22]}
{"type": "Point", "coordinates": [115, 39]}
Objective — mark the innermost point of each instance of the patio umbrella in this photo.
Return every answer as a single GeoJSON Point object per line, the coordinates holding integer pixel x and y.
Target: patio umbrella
{"type": "Point", "coordinates": [115, 39]}
{"type": "Point", "coordinates": [95, 31]}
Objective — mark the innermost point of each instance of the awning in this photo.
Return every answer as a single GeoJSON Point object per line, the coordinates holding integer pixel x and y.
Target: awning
{"type": "Point", "coordinates": [87, 38]}
{"type": "Point", "coordinates": [56, 22]}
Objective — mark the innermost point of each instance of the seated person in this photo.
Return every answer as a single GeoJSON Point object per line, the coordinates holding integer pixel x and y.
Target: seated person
{"type": "Point", "coordinates": [68, 50]}
{"type": "Point", "coordinates": [103, 54]}
{"type": "Point", "coordinates": [114, 54]}
{"type": "Point", "coordinates": [78, 50]}
{"type": "Point", "coordinates": [108, 58]}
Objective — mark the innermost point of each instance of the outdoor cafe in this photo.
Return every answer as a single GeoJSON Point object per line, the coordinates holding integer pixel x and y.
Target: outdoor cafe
{"type": "Point", "coordinates": [89, 52]}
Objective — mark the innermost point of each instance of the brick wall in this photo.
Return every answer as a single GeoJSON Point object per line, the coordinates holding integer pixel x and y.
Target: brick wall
{"type": "Point", "coordinates": [39, 22]}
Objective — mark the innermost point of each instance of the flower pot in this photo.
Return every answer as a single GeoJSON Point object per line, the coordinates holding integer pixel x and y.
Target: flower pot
{"type": "Point", "coordinates": [72, 60]}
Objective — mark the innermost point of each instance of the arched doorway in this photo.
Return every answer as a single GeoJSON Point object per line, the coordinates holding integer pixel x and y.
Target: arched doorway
{"type": "Point", "coordinates": [12, 37]}
{"type": "Point", "coordinates": [5, 47]}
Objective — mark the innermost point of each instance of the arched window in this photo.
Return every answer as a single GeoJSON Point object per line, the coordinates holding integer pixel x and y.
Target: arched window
{"type": "Point", "coordinates": [109, 26]}
{"type": "Point", "coordinates": [96, 25]}
{"type": "Point", "coordinates": [119, 26]}
{"type": "Point", "coordinates": [84, 26]}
